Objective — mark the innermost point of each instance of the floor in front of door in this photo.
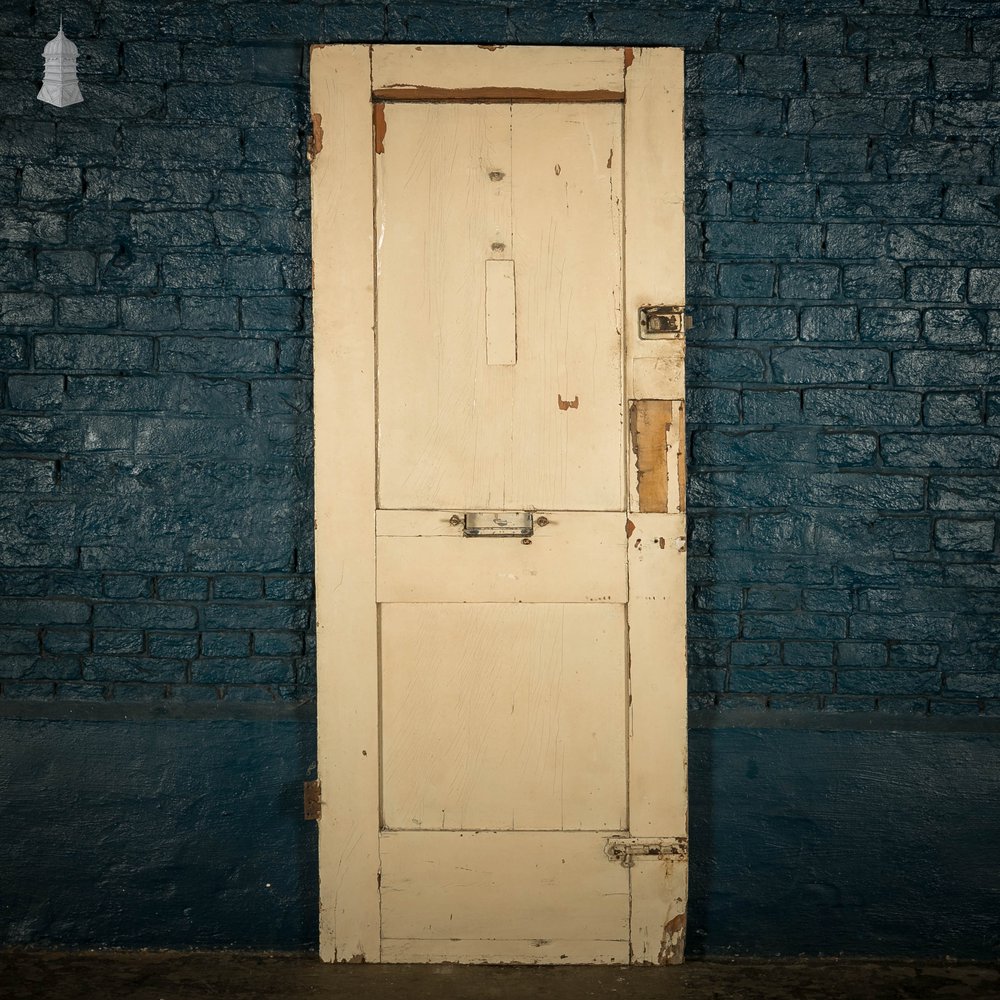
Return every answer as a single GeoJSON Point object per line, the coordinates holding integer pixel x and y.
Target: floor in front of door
{"type": "Point", "coordinates": [197, 975]}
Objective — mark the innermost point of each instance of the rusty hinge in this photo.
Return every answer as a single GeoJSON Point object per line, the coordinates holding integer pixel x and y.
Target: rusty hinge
{"type": "Point", "coordinates": [663, 322]}
{"type": "Point", "coordinates": [624, 850]}
{"type": "Point", "coordinates": [312, 804]}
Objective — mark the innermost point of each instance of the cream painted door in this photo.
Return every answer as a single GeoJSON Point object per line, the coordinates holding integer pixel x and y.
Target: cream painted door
{"type": "Point", "coordinates": [500, 533]}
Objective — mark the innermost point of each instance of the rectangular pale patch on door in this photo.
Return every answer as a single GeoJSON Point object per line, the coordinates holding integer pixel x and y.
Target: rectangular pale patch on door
{"type": "Point", "coordinates": [501, 326]}
{"type": "Point", "coordinates": [657, 430]}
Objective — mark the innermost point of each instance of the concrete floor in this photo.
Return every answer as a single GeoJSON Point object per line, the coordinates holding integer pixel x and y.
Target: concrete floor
{"type": "Point", "coordinates": [197, 975]}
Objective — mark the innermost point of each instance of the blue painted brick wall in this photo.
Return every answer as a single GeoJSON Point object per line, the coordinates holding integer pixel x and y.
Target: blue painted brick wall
{"type": "Point", "coordinates": [844, 378]}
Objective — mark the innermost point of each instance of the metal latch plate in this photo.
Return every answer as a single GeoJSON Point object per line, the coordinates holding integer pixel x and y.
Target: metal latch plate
{"type": "Point", "coordinates": [624, 850]}
{"type": "Point", "coordinates": [663, 322]}
{"type": "Point", "coordinates": [498, 524]}
{"type": "Point", "coordinates": [312, 804]}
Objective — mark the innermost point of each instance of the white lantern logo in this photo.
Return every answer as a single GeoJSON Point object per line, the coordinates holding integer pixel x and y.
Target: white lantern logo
{"type": "Point", "coordinates": [60, 87]}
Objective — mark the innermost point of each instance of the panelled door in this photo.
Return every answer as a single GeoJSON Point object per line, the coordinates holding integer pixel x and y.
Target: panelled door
{"type": "Point", "coordinates": [498, 303]}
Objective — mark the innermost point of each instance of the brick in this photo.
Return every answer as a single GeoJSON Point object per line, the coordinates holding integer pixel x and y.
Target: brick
{"type": "Point", "coordinates": [809, 281]}
{"type": "Point", "coordinates": [845, 116]}
{"type": "Point", "coordinates": [118, 641]}
{"type": "Point", "coordinates": [946, 368]}
{"type": "Point", "coordinates": [748, 32]}
{"type": "Point", "coordinates": [890, 326]}
{"type": "Point", "coordinates": [277, 643]}
{"type": "Point", "coordinates": [153, 61]}
{"type": "Point", "coordinates": [964, 536]}
{"type": "Point", "coordinates": [805, 365]}
{"type": "Point", "coordinates": [898, 76]}
{"type": "Point", "coordinates": [947, 409]}
{"type": "Point", "coordinates": [973, 685]}
{"type": "Point", "coordinates": [753, 281]}
{"type": "Point", "coordinates": [50, 183]}
{"type": "Point", "coordinates": [153, 313]}
{"type": "Point", "coordinates": [720, 364]}
{"type": "Point", "coordinates": [812, 33]}
{"type": "Point", "coordinates": [721, 406]}
{"type": "Point", "coordinates": [180, 645]}
{"type": "Point", "coordinates": [172, 229]}
{"type": "Point", "coordinates": [773, 199]}
{"type": "Point", "coordinates": [772, 599]}
{"type": "Point", "coordinates": [715, 72]}
{"type": "Point", "coordinates": [718, 448]}
{"type": "Point", "coordinates": [205, 313]}
{"type": "Point", "coordinates": [144, 615]}
{"type": "Point", "coordinates": [828, 323]}
{"type": "Point", "coordinates": [23, 641]}
{"type": "Point", "coordinates": [775, 241]}
{"type": "Point", "coordinates": [25, 612]}
{"type": "Point", "coordinates": [124, 270]}
{"type": "Point", "coordinates": [126, 586]}
{"type": "Point", "coordinates": [847, 449]}
{"type": "Point", "coordinates": [192, 271]}
{"type": "Point", "coordinates": [968, 158]}
{"type": "Point", "coordinates": [747, 156]}
{"type": "Point", "coordinates": [738, 113]}
{"type": "Point", "coordinates": [880, 280]}
{"type": "Point", "coordinates": [88, 312]}
{"type": "Point", "coordinates": [936, 284]}
{"type": "Point", "coordinates": [247, 670]}
{"type": "Point", "coordinates": [984, 285]}
{"type": "Point", "coordinates": [835, 74]}
{"type": "Point", "coordinates": [216, 355]}
{"type": "Point", "coordinates": [965, 493]}
{"type": "Point", "coordinates": [225, 644]}
{"type": "Point", "coordinates": [713, 323]}
{"type": "Point", "coordinates": [941, 450]}
{"type": "Point", "coordinates": [766, 323]}
{"type": "Point", "coordinates": [271, 313]}
{"type": "Point", "coordinates": [13, 352]}
{"type": "Point", "coordinates": [807, 654]}
{"type": "Point", "coordinates": [133, 668]}
{"type": "Point", "coordinates": [237, 588]}
{"type": "Point", "coordinates": [66, 267]}
{"type": "Point", "coordinates": [847, 490]}
{"type": "Point", "coordinates": [783, 406]}
{"type": "Point", "coordinates": [889, 681]}
{"type": "Point", "coordinates": [961, 75]}
{"type": "Point", "coordinates": [35, 392]}
{"type": "Point", "coordinates": [878, 201]}
{"type": "Point", "coordinates": [795, 680]}
{"type": "Point", "coordinates": [859, 241]}
{"type": "Point", "coordinates": [92, 351]}
{"type": "Point", "coordinates": [26, 309]}
{"type": "Point", "coordinates": [913, 655]}
{"type": "Point", "coordinates": [954, 327]}
{"type": "Point", "coordinates": [162, 145]}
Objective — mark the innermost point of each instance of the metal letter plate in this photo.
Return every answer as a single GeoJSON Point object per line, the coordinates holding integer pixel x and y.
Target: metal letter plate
{"type": "Point", "coordinates": [498, 524]}
{"type": "Point", "coordinates": [663, 322]}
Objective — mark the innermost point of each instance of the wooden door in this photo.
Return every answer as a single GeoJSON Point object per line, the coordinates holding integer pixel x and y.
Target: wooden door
{"type": "Point", "coordinates": [498, 255]}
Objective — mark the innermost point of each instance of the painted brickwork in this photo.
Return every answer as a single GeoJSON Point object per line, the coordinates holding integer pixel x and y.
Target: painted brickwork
{"type": "Point", "coordinates": [844, 267]}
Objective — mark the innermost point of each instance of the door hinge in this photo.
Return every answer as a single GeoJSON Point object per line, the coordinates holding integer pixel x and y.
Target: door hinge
{"type": "Point", "coordinates": [624, 850]}
{"type": "Point", "coordinates": [312, 804]}
{"type": "Point", "coordinates": [663, 322]}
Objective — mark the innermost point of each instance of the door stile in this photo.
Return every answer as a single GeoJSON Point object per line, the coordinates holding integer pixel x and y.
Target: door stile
{"type": "Point", "coordinates": [346, 614]}
{"type": "Point", "coordinates": [654, 275]}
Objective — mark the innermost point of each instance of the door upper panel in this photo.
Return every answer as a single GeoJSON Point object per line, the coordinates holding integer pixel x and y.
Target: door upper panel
{"type": "Point", "coordinates": [498, 284]}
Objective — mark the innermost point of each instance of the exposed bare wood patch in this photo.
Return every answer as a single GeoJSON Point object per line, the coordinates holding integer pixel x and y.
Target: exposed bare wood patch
{"type": "Point", "coordinates": [629, 56]}
{"type": "Point", "coordinates": [315, 146]}
{"type": "Point", "coordinates": [468, 95]}
{"type": "Point", "coordinates": [490, 48]}
{"type": "Point", "coordinates": [672, 943]}
{"type": "Point", "coordinates": [657, 428]}
{"type": "Point", "coordinates": [378, 115]}
{"type": "Point", "coordinates": [629, 527]}
{"type": "Point", "coordinates": [569, 404]}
